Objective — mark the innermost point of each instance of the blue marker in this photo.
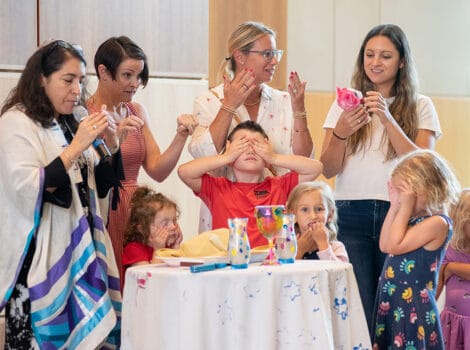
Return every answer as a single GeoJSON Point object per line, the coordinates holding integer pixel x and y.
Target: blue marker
{"type": "Point", "coordinates": [207, 267]}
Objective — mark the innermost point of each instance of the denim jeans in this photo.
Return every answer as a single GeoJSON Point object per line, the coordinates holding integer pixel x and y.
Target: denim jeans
{"type": "Point", "coordinates": [360, 222]}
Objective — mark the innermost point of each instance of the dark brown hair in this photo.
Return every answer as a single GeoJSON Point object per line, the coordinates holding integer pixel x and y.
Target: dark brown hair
{"type": "Point", "coordinates": [403, 108]}
{"type": "Point", "coordinates": [113, 51]}
{"type": "Point", "coordinates": [29, 93]}
{"type": "Point", "coordinates": [248, 125]}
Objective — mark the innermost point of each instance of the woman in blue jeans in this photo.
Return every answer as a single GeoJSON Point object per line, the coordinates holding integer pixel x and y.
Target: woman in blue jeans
{"type": "Point", "coordinates": [362, 144]}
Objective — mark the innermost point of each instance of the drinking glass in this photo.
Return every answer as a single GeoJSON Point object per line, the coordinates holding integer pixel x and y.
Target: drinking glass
{"type": "Point", "coordinates": [238, 243]}
{"type": "Point", "coordinates": [120, 112]}
{"type": "Point", "coordinates": [286, 241]}
{"type": "Point", "coordinates": [269, 222]}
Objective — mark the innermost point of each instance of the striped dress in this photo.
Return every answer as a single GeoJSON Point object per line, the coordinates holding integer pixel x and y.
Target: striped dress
{"type": "Point", "coordinates": [133, 155]}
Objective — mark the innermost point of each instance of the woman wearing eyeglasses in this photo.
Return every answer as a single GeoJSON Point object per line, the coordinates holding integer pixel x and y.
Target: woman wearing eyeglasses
{"type": "Point", "coordinates": [250, 64]}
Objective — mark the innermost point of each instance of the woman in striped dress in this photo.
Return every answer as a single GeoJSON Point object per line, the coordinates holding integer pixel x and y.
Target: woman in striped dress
{"type": "Point", "coordinates": [121, 67]}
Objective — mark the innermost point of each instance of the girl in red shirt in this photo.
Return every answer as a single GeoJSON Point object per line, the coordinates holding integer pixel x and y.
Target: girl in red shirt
{"type": "Point", "coordinates": [152, 225]}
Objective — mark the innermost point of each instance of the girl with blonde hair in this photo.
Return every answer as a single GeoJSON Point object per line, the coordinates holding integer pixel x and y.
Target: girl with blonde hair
{"type": "Point", "coordinates": [316, 222]}
{"type": "Point", "coordinates": [414, 236]}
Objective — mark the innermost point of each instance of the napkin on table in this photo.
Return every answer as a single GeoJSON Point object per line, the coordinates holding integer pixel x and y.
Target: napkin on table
{"type": "Point", "coordinates": [209, 243]}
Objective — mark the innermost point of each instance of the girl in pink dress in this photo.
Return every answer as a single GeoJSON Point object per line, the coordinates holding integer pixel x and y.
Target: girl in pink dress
{"type": "Point", "coordinates": [455, 275]}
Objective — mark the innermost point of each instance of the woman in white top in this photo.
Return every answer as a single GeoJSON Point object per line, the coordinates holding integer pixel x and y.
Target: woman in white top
{"type": "Point", "coordinates": [363, 144]}
{"type": "Point", "coordinates": [251, 62]}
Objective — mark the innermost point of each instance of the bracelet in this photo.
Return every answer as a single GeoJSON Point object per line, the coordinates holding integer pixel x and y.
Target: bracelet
{"type": "Point", "coordinates": [300, 115]}
{"type": "Point", "coordinates": [114, 148]}
{"type": "Point", "coordinates": [339, 137]}
{"type": "Point", "coordinates": [227, 109]}
{"type": "Point", "coordinates": [71, 160]}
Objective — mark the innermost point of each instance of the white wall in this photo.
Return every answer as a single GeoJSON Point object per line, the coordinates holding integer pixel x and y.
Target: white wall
{"type": "Point", "coordinates": [166, 99]}
{"type": "Point", "coordinates": [324, 38]}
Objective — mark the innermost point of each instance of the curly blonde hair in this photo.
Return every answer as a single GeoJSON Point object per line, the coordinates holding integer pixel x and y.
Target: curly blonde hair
{"type": "Point", "coordinates": [145, 204]}
{"type": "Point", "coordinates": [460, 215]}
{"type": "Point", "coordinates": [429, 174]}
{"type": "Point", "coordinates": [327, 195]}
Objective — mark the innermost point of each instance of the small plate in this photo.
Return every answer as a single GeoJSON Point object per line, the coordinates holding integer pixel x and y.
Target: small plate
{"type": "Point", "coordinates": [182, 261]}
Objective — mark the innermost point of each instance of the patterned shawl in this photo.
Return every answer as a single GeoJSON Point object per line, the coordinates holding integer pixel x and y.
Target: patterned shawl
{"type": "Point", "coordinates": [73, 281]}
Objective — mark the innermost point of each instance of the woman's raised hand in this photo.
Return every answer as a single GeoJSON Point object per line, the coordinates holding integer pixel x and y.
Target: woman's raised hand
{"type": "Point", "coordinates": [351, 121]}
{"type": "Point", "coordinates": [129, 124]}
{"type": "Point", "coordinates": [297, 92]}
{"type": "Point", "coordinates": [187, 123]}
{"type": "Point", "coordinates": [237, 90]}
{"type": "Point", "coordinates": [121, 122]}
{"type": "Point", "coordinates": [376, 103]}
{"type": "Point", "coordinates": [89, 129]}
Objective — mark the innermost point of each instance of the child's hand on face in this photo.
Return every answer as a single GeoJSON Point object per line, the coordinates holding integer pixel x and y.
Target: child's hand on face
{"type": "Point", "coordinates": [393, 194]}
{"type": "Point", "coordinates": [175, 238]}
{"type": "Point", "coordinates": [306, 242]}
{"type": "Point", "coordinates": [235, 148]}
{"type": "Point", "coordinates": [159, 237]}
{"type": "Point", "coordinates": [406, 194]}
{"type": "Point", "coordinates": [320, 235]}
{"type": "Point", "coordinates": [263, 149]}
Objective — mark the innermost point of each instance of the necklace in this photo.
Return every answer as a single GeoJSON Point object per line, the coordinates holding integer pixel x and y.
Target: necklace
{"type": "Point", "coordinates": [91, 102]}
{"type": "Point", "coordinates": [254, 103]}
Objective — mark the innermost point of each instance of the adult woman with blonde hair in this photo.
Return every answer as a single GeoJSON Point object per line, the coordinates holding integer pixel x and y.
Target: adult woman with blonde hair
{"type": "Point", "coordinates": [250, 63]}
{"type": "Point", "coordinates": [361, 146]}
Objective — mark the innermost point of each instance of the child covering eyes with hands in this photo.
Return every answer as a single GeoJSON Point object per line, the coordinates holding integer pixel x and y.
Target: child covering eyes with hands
{"type": "Point", "coordinates": [248, 153]}
{"type": "Point", "coordinates": [414, 236]}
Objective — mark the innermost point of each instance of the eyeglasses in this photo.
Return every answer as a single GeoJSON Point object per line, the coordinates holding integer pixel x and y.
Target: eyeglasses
{"type": "Point", "coordinates": [269, 54]}
{"type": "Point", "coordinates": [53, 45]}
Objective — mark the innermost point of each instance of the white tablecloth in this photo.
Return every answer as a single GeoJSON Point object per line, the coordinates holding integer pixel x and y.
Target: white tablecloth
{"type": "Point", "coordinates": [305, 305]}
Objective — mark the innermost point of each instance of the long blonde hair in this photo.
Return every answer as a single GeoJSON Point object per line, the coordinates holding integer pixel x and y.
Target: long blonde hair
{"type": "Point", "coordinates": [429, 174]}
{"type": "Point", "coordinates": [460, 215]}
{"type": "Point", "coordinates": [403, 108]}
{"type": "Point", "coordinates": [242, 38]}
{"type": "Point", "coordinates": [328, 197]}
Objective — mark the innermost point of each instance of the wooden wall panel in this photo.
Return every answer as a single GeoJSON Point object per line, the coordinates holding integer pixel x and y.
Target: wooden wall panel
{"type": "Point", "coordinates": [225, 15]}
{"type": "Point", "coordinates": [454, 145]}
{"type": "Point", "coordinates": [317, 106]}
